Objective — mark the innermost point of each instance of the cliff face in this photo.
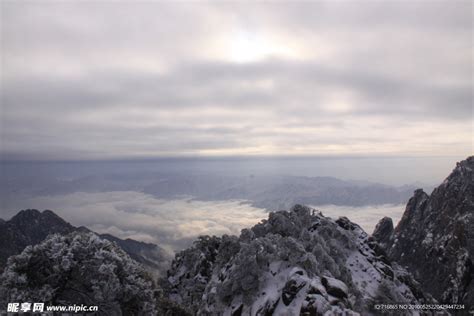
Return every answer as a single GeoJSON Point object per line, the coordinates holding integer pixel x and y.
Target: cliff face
{"type": "Point", "coordinates": [296, 262]}
{"type": "Point", "coordinates": [435, 237]}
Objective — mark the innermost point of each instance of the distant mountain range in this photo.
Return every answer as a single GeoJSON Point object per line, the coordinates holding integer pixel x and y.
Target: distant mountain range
{"type": "Point", "coordinates": [30, 227]}
{"type": "Point", "coordinates": [280, 192]}
{"type": "Point", "coordinates": [271, 192]}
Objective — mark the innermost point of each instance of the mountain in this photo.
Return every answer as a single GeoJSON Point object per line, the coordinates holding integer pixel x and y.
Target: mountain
{"type": "Point", "coordinates": [261, 190]}
{"type": "Point", "coordinates": [30, 227]}
{"type": "Point", "coordinates": [435, 237]}
{"type": "Point", "coordinates": [278, 191]}
{"type": "Point", "coordinates": [297, 262]}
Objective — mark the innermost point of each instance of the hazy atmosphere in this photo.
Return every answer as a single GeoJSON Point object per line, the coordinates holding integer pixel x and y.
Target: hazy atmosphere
{"type": "Point", "coordinates": [163, 121]}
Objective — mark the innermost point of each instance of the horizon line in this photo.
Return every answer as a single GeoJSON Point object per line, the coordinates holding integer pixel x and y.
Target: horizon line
{"type": "Point", "coordinates": [223, 157]}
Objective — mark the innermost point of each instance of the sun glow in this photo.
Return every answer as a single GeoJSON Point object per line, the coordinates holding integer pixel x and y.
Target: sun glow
{"type": "Point", "coordinates": [247, 47]}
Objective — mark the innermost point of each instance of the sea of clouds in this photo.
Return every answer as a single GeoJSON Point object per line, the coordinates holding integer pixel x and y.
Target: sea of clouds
{"type": "Point", "coordinates": [174, 224]}
{"type": "Point", "coordinates": [365, 216]}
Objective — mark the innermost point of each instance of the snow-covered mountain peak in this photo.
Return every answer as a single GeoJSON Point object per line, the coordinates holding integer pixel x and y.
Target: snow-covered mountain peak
{"type": "Point", "coordinates": [295, 262]}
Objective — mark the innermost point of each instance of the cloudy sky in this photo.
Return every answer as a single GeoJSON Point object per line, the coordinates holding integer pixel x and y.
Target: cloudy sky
{"type": "Point", "coordinates": [110, 79]}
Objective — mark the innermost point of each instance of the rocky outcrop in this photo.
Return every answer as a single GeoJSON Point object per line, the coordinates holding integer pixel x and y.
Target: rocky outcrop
{"type": "Point", "coordinates": [435, 237]}
{"type": "Point", "coordinates": [383, 231]}
{"type": "Point", "coordinates": [296, 262]}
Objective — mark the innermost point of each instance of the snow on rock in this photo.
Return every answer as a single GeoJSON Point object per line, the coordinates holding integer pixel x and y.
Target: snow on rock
{"type": "Point", "coordinates": [435, 240]}
{"type": "Point", "coordinates": [296, 262]}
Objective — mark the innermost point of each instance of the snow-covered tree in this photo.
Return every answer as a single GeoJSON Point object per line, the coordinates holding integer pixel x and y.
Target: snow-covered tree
{"type": "Point", "coordinates": [295, 262]}
{"type": "Point", "coordinates": [79, 268]}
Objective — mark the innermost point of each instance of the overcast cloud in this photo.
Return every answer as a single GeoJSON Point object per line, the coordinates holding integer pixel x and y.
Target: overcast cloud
{"type": "Point", "coordinates": [91, 80]}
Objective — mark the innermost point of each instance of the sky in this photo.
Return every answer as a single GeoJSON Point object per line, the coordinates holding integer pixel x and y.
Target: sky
{"type": "Point", "coordinates": [88, 80]}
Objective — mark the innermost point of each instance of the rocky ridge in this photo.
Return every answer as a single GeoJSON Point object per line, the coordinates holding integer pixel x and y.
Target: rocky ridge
{"type": "Point", "coordinates": [297, 262]}
{"type": "Point", "coordinates": [434, 239]}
